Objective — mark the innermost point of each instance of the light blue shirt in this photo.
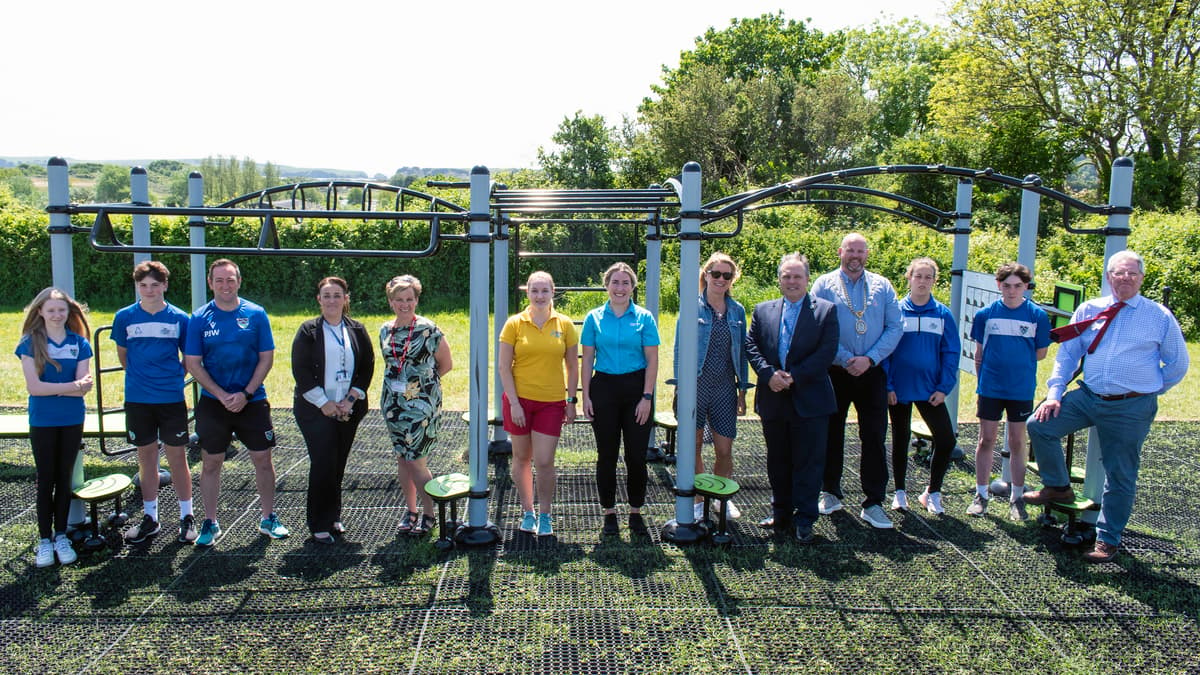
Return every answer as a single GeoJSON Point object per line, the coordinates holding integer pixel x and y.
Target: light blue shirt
{"type": "Point", "coordinates": [619, 341]}
{"type": "Point", "coordinates": [1143, 351]}
{"type": "Point", "coordinates": [885, 326]}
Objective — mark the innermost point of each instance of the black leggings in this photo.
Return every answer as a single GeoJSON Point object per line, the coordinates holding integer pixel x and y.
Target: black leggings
{"type": "Point", "coordinates": [614, 398]}
{"type": "Point", "coordinates": [938, 420]}
{"type": "Point", "coordinates": [54, 452]}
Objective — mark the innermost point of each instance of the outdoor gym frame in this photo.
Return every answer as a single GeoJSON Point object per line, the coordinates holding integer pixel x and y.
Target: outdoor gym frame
{"type": "Point", "coordinates": [671, 212]}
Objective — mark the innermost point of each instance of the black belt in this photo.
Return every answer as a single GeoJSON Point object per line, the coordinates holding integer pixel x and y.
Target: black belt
{"type": "Point", "coordinates": [1120, 397]}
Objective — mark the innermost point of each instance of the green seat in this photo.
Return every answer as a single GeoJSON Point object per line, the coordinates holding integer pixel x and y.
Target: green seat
{"type": "Point", "coordinates": [667, 422]}
{"type": "Point", "coordinates": [447, 489]}
{"type": "Point", "coordinates": [97, 490]}
{"type": "Point", "coordinates": [711, 487]}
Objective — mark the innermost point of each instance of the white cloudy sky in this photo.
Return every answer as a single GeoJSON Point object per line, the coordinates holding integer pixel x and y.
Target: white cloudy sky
{"type": "Point", "coordinates": [371, 86]}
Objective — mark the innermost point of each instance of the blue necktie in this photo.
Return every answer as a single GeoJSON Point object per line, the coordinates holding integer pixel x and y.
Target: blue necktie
{"type": "Point", "coordinates": [790, 312]}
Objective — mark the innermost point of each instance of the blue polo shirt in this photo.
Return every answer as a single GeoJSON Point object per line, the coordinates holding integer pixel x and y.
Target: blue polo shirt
{"type": "Point", "coordinates": [58, 411]}
{"type": "Point", "coordinates": [229, 344]}
{"type": "Point", "coordinates": [1010, 340]}
{"type": "Point", "coordinates": [154, 372]}
{"type": "Point", "coordinates": [619, 341]}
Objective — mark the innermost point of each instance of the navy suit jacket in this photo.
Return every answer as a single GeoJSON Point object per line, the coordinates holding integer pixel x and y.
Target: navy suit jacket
{"type": "Point", "coordinates": [814, 346]}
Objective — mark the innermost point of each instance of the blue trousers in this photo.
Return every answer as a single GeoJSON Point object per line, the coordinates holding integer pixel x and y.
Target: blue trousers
{"type": "Point", "coordinates": [1121, 428]}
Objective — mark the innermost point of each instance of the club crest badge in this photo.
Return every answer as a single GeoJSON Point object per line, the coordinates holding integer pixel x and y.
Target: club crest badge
{"type": "Point", "coordinates": [243, 322]}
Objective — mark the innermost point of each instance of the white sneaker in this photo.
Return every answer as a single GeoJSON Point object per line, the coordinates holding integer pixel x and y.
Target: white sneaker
{"type": "Point", "coordinates": [698, 512]}
{"type": "Point", "coordinates": [45, 553]}
{"type": "Point", "coordinates": [828, 503]}
{"type": "Point", "coordinates": [932, 502]}
{"type": "Point", "coordinates": [875, 516]}
{"type": "Point", "coordinates": [900, 501]}
{"type": "Point", "coordinates": [62, 549]}
{"type": "Point", "coordinates": [734, 513]}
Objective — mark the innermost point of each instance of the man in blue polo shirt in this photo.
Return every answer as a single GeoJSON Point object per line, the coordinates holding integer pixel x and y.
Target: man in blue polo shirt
{"type": "Point", "coordinates": [150, 335]}
{"type": "Point", "coordinates": [1011, 335]}
{"type": "Point", "coordinates": [229, 351]}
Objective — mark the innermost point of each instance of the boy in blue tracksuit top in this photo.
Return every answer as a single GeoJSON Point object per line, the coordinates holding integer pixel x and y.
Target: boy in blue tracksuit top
{"type": "Point", "coordinates": [1011, 336]}
{"type": "Point", "coordinates": [922, 370]}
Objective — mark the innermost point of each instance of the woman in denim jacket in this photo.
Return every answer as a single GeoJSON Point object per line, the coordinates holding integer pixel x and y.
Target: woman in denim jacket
{"type": "Point", "coordinates": [723, 372]}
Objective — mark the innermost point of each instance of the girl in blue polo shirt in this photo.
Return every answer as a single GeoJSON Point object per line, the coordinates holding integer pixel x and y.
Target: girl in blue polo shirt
{"type": "Point", "coordinates": [620, 369]}
{"type": "Point", "coordinates": [54, 355]}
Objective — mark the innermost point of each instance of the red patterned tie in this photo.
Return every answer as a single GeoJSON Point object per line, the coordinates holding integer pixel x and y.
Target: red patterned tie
{"type": "Point", "coordinates": [1074, 330]}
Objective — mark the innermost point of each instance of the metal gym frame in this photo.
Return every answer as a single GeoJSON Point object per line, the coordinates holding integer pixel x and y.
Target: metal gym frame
{"type": "Point", "coordinates": [671, 212]}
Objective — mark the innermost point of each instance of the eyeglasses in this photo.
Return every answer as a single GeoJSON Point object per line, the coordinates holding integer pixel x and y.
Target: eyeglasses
{"type": "Point", "coordinates": [720, 275]}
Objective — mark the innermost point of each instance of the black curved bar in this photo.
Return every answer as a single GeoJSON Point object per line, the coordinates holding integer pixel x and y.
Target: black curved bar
{"type": "Point", "coordinates": [331, 186]}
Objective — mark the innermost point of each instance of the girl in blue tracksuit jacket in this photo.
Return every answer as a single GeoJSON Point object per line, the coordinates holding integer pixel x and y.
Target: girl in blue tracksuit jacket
{"type": "Point", "coordinates": [922, 370]}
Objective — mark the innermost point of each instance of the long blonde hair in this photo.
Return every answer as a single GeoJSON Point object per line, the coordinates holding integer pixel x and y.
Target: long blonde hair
{"type": "Point", "coordinates": [716, 259]}
{"type": "Point", "coordinates": [34, 325]}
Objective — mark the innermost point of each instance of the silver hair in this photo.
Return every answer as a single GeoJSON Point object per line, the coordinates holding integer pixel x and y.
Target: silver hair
{"type": "Point", "coordinates": [1125, 255]}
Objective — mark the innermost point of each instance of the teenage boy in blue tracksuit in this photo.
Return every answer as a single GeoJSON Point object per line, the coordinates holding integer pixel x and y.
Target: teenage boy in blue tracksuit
{"type": "Point", "coordinates": [1011, 335]}
{"type": "Point", "coordinates": [922, 370]}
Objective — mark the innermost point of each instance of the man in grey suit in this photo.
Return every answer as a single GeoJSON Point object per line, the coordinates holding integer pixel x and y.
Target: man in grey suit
{"type": "Point", "coordinates": [791, 344]}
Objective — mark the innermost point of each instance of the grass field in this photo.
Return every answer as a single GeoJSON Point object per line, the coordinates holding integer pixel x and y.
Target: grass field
{"type": "Point", "coordinates": [1178, 404]}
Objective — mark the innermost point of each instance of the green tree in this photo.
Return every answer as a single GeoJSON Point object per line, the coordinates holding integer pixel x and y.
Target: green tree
{"type": "Point", "coordinates": [113, 184]}
{"type": "Point", "coordinates": [584, 158]}
{"type": "Point", "coordinates": [1122, 76]}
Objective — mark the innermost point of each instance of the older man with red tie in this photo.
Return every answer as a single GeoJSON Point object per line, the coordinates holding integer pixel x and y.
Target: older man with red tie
{"type": "Point", "coordinates": [1132, 350]}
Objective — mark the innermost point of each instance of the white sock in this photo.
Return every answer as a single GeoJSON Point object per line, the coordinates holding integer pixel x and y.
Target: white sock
{"type": "Point", "coordinates": [151, 509]}
{"type": "Point", "coordinates": [1017, 492]}
{"type": "Point", "coordinates": [982, 491]}
{"type": "Point", "coordinates": [185, 507]}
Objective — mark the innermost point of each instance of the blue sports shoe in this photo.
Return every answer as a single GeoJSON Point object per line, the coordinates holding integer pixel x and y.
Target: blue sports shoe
{"type": "Point", "coordinates": [271, 527]}
{"type": "Point", "coordinates": [210, 532]}
{"type": "Point", "coordinates": [545, 525]}
{"type": "Point", "coordinates": [528, 522]}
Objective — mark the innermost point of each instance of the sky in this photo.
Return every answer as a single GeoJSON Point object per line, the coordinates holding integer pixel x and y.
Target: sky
{"type": "Point", "coordinates": [369, 86]}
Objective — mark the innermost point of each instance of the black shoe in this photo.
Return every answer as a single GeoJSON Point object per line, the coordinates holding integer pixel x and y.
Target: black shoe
{"type": "Point", "coordinates": [142, 531]}
{"type": "Point", "coordinates": [610, 524]}
{"type": "Point", "coordinates": [187, 529]}
{"type": "Point", "coordinates": [637, 525]}
{"type": "Point", "coordinates": [804, 533]}
{"type": "Point", "coordinates": [324, 538]}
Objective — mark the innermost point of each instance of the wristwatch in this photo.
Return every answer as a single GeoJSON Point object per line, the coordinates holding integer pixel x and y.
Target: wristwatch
{"type": "Point", "coordinates": [572, 400]}
{"type": "Point", "coordinates": [248, 394]}
{"type": "Point", "coordinates": [649, 395]}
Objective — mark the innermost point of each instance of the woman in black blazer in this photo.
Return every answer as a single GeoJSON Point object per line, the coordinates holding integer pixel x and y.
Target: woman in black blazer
{"type": "Point", "coordinates": [332, 362]}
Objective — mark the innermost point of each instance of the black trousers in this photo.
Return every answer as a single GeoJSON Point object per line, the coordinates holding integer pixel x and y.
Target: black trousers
{"type": "Point", "coordinates": [868, 393]}
{"type": "Point", "coordinates": [614, 399]}
{"type": "Point", "coordinates": [328, 442]}
{"type": "Point", "coordinates": [938, 420]}
{"type": "Point", "coordinates": [795, 462]}
{"type": "Point", "coordinates": [54, 452]}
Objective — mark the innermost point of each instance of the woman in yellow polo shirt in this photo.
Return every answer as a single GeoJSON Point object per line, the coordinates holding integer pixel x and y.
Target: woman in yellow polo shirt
{"type": "Point", "coordinates": [535, 345]}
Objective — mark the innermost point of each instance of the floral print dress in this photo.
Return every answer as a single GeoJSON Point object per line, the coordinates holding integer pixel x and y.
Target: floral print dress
{"type": "Point", "coordinates": [412, 389]}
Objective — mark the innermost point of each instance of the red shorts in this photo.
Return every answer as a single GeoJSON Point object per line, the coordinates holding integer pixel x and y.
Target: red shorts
{"type": "Point", "coordinates": [544, 417]}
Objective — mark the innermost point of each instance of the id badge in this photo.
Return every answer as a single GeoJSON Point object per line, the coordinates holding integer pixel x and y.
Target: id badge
{"type": "Point", "coordinates": [397, 386]}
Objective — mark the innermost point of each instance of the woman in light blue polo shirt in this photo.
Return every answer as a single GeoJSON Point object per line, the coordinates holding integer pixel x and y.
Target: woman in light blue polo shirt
{"type": "Point", "coordinates": [54, 354]}
{"type": "Point", "coordinates": [620, 369]}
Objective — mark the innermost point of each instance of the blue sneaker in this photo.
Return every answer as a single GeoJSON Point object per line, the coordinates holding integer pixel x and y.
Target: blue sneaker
{"type": "Point", "coordinates": [271, 527]}
{"type": "Point", "coordinates": [528, 523]}
{"type": "Point", "coordinates": [210, 532]}
{"type": "Point", "coordinates": [545, 525]}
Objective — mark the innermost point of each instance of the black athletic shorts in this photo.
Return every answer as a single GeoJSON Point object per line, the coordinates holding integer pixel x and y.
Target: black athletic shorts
{"type": "Point", "coordinates": [992, 409]}
{"type": "Point", "coordinates": [216, 426]}
{"type": "Point", "coordinates": [148, 423]}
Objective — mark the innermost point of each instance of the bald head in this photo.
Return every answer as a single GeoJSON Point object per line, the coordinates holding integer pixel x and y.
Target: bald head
{"type": "Point", "coordinates": [853, 254]}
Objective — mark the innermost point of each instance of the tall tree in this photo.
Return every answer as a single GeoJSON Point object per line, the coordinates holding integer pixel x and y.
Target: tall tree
{"type": "Point", "coordinates": [1122, 76]}
{"type": "Point", "coordinates": [584, 158]}
{"type": "Point", "coordinates": [113, 184]}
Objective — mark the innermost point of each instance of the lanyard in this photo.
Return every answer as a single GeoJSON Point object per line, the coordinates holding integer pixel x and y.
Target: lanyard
{"type": "Point", "coordinates": [338, 334]}
{"type": "Point", "coordinates": [401, 358]}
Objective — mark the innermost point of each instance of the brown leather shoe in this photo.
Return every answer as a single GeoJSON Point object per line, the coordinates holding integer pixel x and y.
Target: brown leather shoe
{"type": "Point", "coordinates": [1102, 553]}
{"type": "Point", "coordinates": [1050, 494]}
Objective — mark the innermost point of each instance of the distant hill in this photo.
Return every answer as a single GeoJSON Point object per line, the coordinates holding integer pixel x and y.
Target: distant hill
{"type": "Point", "coordinates": [284, 170]}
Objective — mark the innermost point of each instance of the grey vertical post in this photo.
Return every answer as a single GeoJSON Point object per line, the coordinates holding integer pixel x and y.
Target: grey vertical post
{"type": "Point", "coordinates": [958, 265]}
{"type": "Point", "coordinates": [139, 193]}
{"type": "Point", "coordinates": [1116, 235]}
{"type": "Point", "coordinates": [479, 530]}
{"type": "Point", "coordinates": [1031, 204]}
{"type": "Point", "coordinates": [652, 283]}
{"type": "Point", "coordinates": [62, 267]}
{"type": "Point", "coordinates": [682, 529]}
{"type": "Point", "coordinates": [499, 315]}
{"type": "Point", "coordinates": [196, 238]}
{"type": "Point", "coordinates": [62, 257]}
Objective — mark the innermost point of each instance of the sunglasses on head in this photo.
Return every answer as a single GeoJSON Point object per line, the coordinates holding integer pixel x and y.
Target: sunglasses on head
{"type": "Point", "coordinates": [720, 275]}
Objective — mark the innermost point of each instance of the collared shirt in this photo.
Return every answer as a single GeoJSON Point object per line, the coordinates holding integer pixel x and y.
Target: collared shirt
{"type": "Point", "coordinates": [538, 354]}
{"type": "Point", "coordinates": [57, 411]}
{"type": "Point", "coordinates": [1142, 352]}
{"type": "Point", "coordinates": [787, 326]}
{"type": "Point", "coordinates": [882, 314]}
{"type": "Point", "coordinates": [229, 344]}
{"type": "Point", "coordinates": [1010, 339]}
{"type": "Point", "coordinates": [619, 341]}
{"type": "Point", "coordinates": [154, 373]}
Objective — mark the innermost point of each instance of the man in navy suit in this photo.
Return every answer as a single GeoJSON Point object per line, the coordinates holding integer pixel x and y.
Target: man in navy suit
{"type": "Point", "coordinates": [791, 344]}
